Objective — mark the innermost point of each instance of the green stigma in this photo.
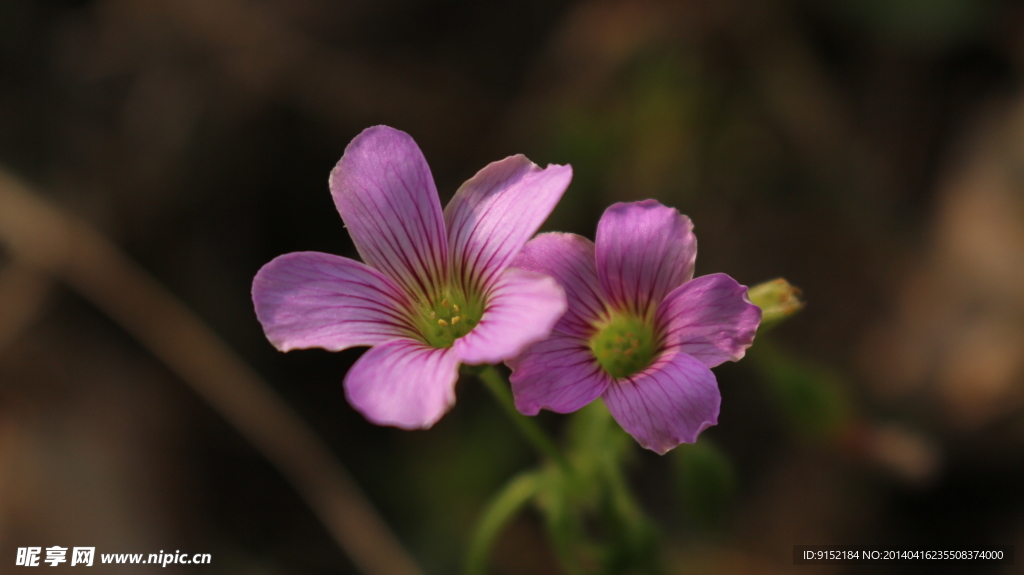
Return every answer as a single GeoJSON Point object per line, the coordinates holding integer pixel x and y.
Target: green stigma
{"type": "Point", "coordinates": [449, 316]}
{"type": "Point", "coordinates": [624, 345]}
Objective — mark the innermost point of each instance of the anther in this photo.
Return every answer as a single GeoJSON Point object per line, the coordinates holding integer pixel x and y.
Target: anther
{"type": "Point", "coordinates": [444, 302]}
{"type": "Point", "coordinates": [442, 323]}
{"type": "Point", "coordinates": [433, 314]}
{"type": "Point", "coordinates": [455, 307]}
{"type": "Point", "coordinates": [455, 319]}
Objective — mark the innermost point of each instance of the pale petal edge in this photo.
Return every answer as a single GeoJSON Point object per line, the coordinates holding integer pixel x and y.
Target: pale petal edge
{"type": "Point", "coordinates": [495, 212]}
{"type": "Point", "coordinates": [522, 308]}
{"type": "Point", "coordinates": [668, 403]}
{"type": "Point", "coordinates": [569, 259]}
{"type": "Point", "coordinates": [403, 383]}
{"type": "Point", "coordinates": [644, 250]}
{"type": "Point", "coordinates": [312, 299]}
{"type": "Point", "coordinates": [383, 189]}
{"type": "Point", "coordinates": [559, 374]}
{"type": "Point", "coordinates": [710, 318]}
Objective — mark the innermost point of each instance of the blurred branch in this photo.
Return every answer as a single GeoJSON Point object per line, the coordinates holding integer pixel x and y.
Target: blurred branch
{"type": "Point", "coordinates": [41, 237]}
{"type": "Point", "coordinates": [23, 292]}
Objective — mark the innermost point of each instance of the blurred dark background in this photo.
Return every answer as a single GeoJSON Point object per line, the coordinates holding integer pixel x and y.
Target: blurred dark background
{"type": "Point", "coordinates": [869, 151]}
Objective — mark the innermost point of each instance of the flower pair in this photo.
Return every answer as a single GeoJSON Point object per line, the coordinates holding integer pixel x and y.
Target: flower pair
{"type": "Point", "coordinates": [620, 319]}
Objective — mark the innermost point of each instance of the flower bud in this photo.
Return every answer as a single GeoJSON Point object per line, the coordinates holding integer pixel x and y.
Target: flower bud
{"type": "Point", "coordinates": [778, 300]}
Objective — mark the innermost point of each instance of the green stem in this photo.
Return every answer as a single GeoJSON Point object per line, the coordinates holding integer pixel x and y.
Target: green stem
{"type": "Point", "coordinates": [503, 507]}
{"type": "Point", "coordinates": [528, 427]}
{"type": "Point", "coordinates": [563, 527]}
{"type": "Point", "coordinates": [624, 502]}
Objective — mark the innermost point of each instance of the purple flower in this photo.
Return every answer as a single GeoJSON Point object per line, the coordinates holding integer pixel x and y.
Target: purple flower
{"type": "Point", "coordinates": [435, 290]}
{"type": "Point", "coordinates": [640, 332]}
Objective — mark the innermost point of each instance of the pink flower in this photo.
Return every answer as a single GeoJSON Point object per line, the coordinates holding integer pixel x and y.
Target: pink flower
{"type": "Point", "coordinates": [435, 290]}
{"type": "Point", "coordinates": [640, 332]}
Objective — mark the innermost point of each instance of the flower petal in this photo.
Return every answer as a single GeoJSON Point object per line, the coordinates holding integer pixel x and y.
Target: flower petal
{"type": "Point", "coordinates": [668, 403]}
{"type": "Point", "coordinates": [644, 251]}
{"type": "Point", "coordinates": [403, 383]}
{"type": "Point", "coordinates": [559, 374]}
{"type": "Point", "coordinates": [710, 318]}
{"type": "Point", "coordinates": [310, 299]}
{"type": "Point", "coordinates": [521, 309]}
{"type": "Point", "coordinates": [493, 214]}
{"type": "Point", "coordinates": [383, 190]}
{"type": "Point", "coordinates": [569, 259]}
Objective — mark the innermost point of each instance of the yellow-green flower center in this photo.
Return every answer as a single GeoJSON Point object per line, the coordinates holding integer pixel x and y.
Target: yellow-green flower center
{"type": "Point", "coordinates": [624, 345]}
{"type": "Point", "coordinates": [449, 316]}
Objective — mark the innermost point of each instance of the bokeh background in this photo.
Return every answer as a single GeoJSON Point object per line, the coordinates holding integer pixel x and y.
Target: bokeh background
{"type": "Point", "coordinates": [869, 151]}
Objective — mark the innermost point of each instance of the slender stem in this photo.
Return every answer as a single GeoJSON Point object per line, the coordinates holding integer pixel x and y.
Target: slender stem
{"type": "Point", "coordinates": [498, 386]}
{"type": "Point", "coordinates": [503, 508]}
{"type": "Point", "coordinates": [564, 530]}
{"type": "Point", "coordinates": [624, 502]}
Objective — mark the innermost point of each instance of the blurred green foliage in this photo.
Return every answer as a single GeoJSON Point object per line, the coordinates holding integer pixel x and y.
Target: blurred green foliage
{"type": "Point", "coordinates": [920, 25]}
{"type": "Point", "coordinates": [706, 480]}
{"type": "Point", "coordinates": [813, 400]}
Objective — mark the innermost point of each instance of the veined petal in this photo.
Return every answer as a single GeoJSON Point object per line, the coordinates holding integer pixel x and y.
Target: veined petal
{"type": "Point", "coordinates": [644, 251]}
{"type": "Point", "coordinates": [559, 374]}
{"type": "Point", "coordinates": [710, 318]}
{"type": "Point", "coordinates": [403, 383]}
{"type": "Point", "coordinates": [569, 259]}
{"type": "Point", "coordinates": [521, 309]}
{"type": "Point", "coordinates": [384, 192]}
{"type": "Point", "coordinates": [668, 403]}
{"type": "Point", "coordinates": [310, 299]}
{"type": "Point", "coordinates": [493, 214]}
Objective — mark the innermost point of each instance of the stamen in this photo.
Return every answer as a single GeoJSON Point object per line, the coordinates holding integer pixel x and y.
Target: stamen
{"type": "Point", "coordinates": [624, 345]}
{"type": "Point", "coordinates": [446, 317]}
